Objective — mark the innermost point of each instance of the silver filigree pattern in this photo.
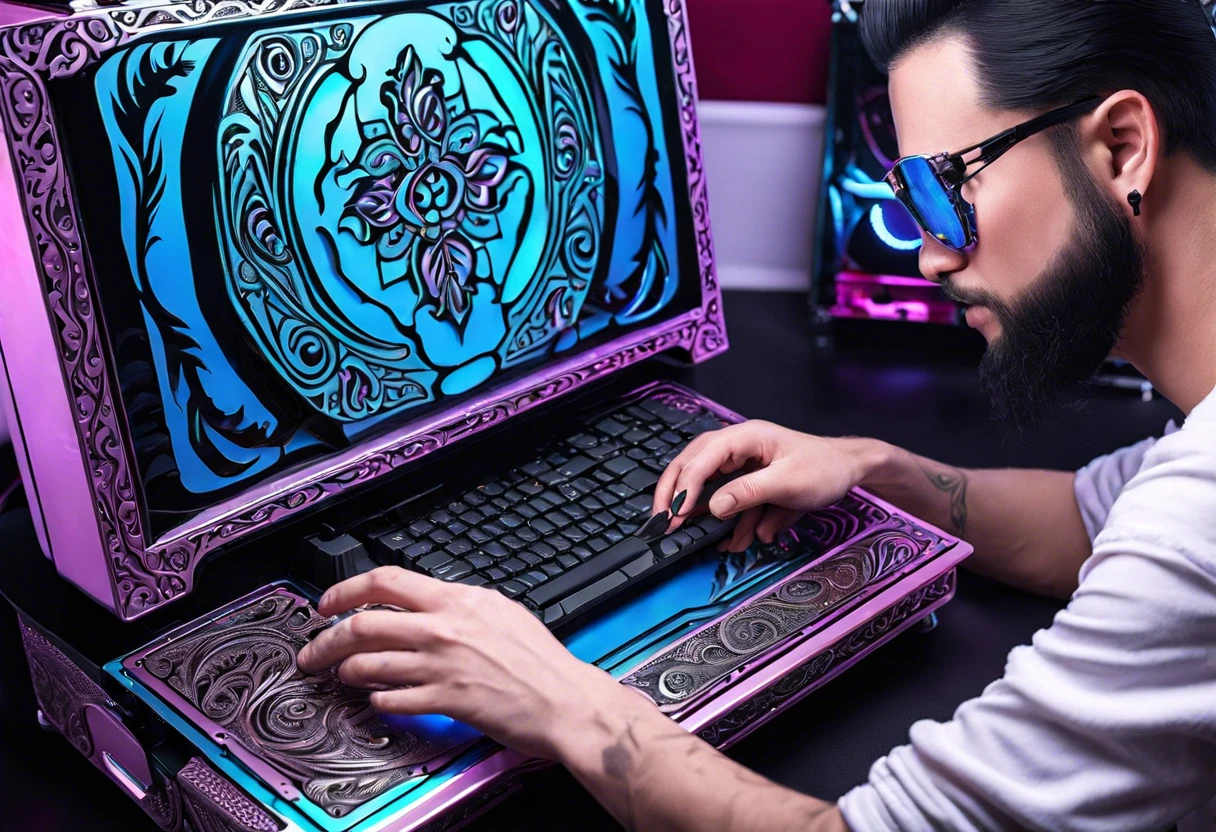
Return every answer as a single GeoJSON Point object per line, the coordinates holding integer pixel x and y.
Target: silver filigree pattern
{"type": "Point", "coordinates": [239, 672]}
{"type": "Point", "coordinates": [693, 665]}
{"type": "Point", "coordinates": [61, 689]}
{"type": "Point", "coordinates": [808, 676]}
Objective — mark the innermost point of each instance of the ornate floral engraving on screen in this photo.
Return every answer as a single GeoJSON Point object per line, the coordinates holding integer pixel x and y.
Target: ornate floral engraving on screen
{"type": "Point", "coordinates": [697, 662]}
{"type": "Point", "coordinates": [240, 673]}
{"type": "Point", "coordinates": [146, 575]}
{"type": "Point", "coordinates": [806, 677]}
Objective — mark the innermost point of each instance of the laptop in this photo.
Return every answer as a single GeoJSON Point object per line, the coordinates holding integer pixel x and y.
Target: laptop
{"type": "Point", "coordinates": [302, 288]}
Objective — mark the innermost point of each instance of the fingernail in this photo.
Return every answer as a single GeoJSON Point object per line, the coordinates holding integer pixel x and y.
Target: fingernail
{"type": "Point", "coordinates": [678, 503]}
{"type": "Point", "coordinates": [324, 600]}
{"type": "Point", "coordinates": [725, 505]}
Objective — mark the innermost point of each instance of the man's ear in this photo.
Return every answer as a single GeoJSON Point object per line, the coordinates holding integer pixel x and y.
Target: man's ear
{"type": "Point", "coordinates": [1121, 143]}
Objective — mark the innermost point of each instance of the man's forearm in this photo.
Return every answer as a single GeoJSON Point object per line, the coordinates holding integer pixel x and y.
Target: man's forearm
{"type": "Point", "coordinates": [653, 775]}
{"type": "Point", "coordinates": [1025, 525]}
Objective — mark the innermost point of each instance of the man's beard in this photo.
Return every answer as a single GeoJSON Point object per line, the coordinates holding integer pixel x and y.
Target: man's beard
{"type": "Point", "coordinates": [1054, 339]}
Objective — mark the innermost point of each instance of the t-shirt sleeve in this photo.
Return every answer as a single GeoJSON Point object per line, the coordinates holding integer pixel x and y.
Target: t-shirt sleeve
{"type": "Point", "coordinates": [1098, 484]}
{"type": "Point", "coordinates": [1107, 720]}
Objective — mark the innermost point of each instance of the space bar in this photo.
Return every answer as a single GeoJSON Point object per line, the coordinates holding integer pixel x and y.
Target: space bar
{"type": "Point", "coordinates": [589, 571]}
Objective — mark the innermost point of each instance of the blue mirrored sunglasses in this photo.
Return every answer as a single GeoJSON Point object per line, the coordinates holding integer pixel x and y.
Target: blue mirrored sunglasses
{"type": "Point", "coordinates": [930, 187]}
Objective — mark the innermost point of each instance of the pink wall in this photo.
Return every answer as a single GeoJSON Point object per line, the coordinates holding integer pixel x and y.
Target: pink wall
{"type": "Point", "coordinates": [761, 50]}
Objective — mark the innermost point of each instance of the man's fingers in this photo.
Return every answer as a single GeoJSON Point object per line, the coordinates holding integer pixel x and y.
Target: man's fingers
{"type": "Point", "coordinates": [665, 489]}
{"type": "Point", "coordinates": [389, 668]}
{"type": "Point", "coordinates": [386, 585]}
{"type": "Point", "coordinates": [424, 699]}
{"type": "Point", "coordinates": [775, 521]}
{"type": "Point", "coordinates": [367, 632]}
{"type": "Point", "coordinates": [767, 485]}
{"type": "Point", "coordinates": [745, 530]}
{"type": "Point", "coordinates": [734, 447]}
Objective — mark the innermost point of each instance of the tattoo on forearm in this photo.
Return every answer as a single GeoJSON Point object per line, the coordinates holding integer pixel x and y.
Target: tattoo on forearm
{"type": "Point", "coordinates": [954, 483]}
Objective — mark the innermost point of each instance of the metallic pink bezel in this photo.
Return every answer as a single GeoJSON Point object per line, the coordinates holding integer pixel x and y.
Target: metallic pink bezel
{"type": "Point", "coordinates": [86, 480]}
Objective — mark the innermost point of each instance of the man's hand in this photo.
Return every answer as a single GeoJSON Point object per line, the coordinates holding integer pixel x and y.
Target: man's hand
{"type": "Point", "coordinates": [794, 473]}
{"type": "Point", "coordinates": [465, 652]}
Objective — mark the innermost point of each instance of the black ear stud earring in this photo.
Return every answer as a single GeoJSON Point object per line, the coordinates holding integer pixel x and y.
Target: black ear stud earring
{"type": "Point", "coordinates": [1134, 199]}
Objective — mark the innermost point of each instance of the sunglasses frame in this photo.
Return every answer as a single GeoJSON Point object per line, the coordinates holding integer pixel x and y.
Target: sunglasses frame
{"type": "Point", "coordinates": [950, 169]}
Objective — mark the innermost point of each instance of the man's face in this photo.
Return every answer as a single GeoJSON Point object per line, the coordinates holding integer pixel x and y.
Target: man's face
{"type": "Point", "coordinates": [1056, 265]}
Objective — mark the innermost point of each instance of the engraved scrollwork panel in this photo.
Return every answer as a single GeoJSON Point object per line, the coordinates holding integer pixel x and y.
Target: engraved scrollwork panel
{"type": "Point", "coordinates": [239, 672]}
{"type": "Point", "coordinates": [810, 674]}
{"type": "Point", "coordinates": [707, 656]}
{"type": "Point", "coordinates": [215, 805]}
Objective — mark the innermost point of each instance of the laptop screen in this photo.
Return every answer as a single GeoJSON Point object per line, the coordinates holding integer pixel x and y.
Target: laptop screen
{"type": "Point", "coordinates": [310, 231]}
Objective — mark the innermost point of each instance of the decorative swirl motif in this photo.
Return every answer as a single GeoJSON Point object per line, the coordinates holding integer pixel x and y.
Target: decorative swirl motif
{"type": "Point", "coordinates": [146, 575]}
{"type": "Point", "coordinates": [700, 660]}
{"type": "Point", "coordinates": [61, 689]}
{"type": "Point", "coordinates": [240, 673]}
{"type": "Point", "coordinates": [806, 677]}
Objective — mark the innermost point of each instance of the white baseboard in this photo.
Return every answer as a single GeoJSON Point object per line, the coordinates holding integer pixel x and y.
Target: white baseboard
{"type": "Point", "coordinates": [763, 163]}
{"type": "Point", "coordinates": [763, 278]}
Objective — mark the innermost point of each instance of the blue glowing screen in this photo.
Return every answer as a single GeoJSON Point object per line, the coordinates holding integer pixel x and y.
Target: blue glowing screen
{"type": "Point", "coordinates": [309, 229]}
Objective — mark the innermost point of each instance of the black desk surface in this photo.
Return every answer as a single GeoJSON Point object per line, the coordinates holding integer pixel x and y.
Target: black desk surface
{"type": "Point", "coordinates": [825, 744]}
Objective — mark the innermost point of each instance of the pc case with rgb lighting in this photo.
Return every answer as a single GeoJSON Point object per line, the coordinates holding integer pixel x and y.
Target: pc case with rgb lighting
{"type": "Point", "coordinates": [867, 246]}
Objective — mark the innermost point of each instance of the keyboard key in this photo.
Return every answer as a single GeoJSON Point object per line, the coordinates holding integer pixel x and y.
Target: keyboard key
{"type": "Point", "coordinates": [641, 479]}
{"type": "Point", "coordinates": [527, 535]}
{"type": "Point", "coordinates": [542, 526]}
{"type": "Point", "coordinates": [635, 436]}
{"type": "Point", "coordinates": [556, 460]}
{"type": "Point", "coordinates": [512, 589]}
{"type": "Point", "coordinates": [540, 504]}
{"type": "Point", "coordinates": [585, 486]}
{"type": "Point", "coordinates": [591, 503]}
{"type": "Point", "coordinates": [558, 543]}
{"type": "Point", "coordinates": [420, 527]}
{"type": "Point", "coordinates": [620, 466]}
{"type": "Point", "coordinates": [552, 477]}
{"type": "Point", "coordinates": [441, 536]}
{"type": "Point", "coordinates": [531, 487]}
{"type": "Point", "coordinates": [515, 496]}
{"type": "Point", "coordinates": [457, 508]}
{"type": "Point", "coordinates": [479, 561]}
{"type": "Point", "coordinates": [577, 466]}
{"type": "Point", "coordinates": [613, 535]}
{"type": "Point", "coordinates": [583, 441]}
{"type": "Point", "coordinates": [433, 561]}
{"type": "Point", "coordinates": [489, 510]}
{"type": "Point", "coordinates": [604, 518]}
{"type": "Point", "coordinates": [390, 548]}
{"type": "Point", "coordinates": [575, 512]}
{"type": "Point", "coordinates": [532, 579]}
{"type": "Point", "coordinates": [493, 528]}
{"type": "Point", "coordinates": [453, 571]}
{"type": "Point", "coordinates": [513, 566]}
{"type": "Point", "coordinates": [534, 469]}
{"type": "Point", "coordinates": [471, 518]}
{"type": "Point", "coordinates": [568, 561]}
{"type": "Point", "coordinates": [511, 521]}
{"type": "Point", "coordinates": [604, 450]}
{"type": "Point", "coordinates": [419, 549]}
{"type": "Point", "coordinates": [637, 454]}
{"type": "Point", "coordinates": [656, 445]}
{"type": "Point", "coordinates": [440, 518]}
{"type": "Point", "coordinates": [513, 543]}
{"type": "Point", "coordinates": [475, 499]}
{"type": "Point", "coordinates": [544, 550]}
{"type": "Point", "coordinates": [671, 438]}
{"type": "Point", "coordinates": [495, 574]}
{"type": "Point", "coordinates": [559, 519]}
{"type": "Point", "coordinates": [475, 580]}
{"type": "Point", "coordinates": [669, 547]}
{"type": "Point", "coordinates": [591, 527]}
{"type": "Point", "coordinates": [604, 476]}
{"type": "Point", "coordinates": [637, 567]}
{"type": "Point", "coordinates": [574, 534]}
{"type": "Point", "coordinates": [479, 536]}
{"type": "Point", "coordinates": [682, 538]}
{"type": "Point", "coordinates": [495, 550]}
{"type": "Point", "coordinates": [502, 503]}
{"type": "Point", "coordinates": [552, 570]}
{"type": "Point", "coordinates": [694, 531]}
{"type": "Point", "coordinates": [526, 511]}
{"type": "Point", "coordinates": [629, 526]}
{"type": "Point", "coordinates": [596, 544]}
{"type": "Point", "coordinates": [610, 426]}
{"type": "Point", "coordinates": [493, 489]}
{"type": "Point", "coordinates": [456, 527]}
{"type": "Point", "coordinates": [530, 558]}
{"type": "Point", "coordinates": [671, 416]}
{"type": "Point", "coordinates": [458, 547]}
{"type": "Point", "coordinates": [569, 491]}
{"type": "Point", "coordinates": [640, 504]}
{"type": "Point", "coordinates": [638, 413]}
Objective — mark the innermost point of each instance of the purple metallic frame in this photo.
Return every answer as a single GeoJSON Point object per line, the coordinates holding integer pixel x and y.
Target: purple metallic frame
{"type": "Point", "coordinates": [53, 331]}
{"type": "Point", "coordinates": [774, 678]}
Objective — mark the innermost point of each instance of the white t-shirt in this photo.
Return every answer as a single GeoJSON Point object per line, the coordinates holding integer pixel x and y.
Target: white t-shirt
{"type": "Point", "coordinates": [1107, 721]}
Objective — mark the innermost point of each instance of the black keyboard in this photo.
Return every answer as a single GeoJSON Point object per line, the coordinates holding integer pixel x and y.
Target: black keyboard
{"type": "Point", "coordinates": [554, 532]}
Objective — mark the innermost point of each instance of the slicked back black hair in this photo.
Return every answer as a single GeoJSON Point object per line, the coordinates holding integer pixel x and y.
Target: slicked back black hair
{"type": "Point", "coordinates": [1034, 55]}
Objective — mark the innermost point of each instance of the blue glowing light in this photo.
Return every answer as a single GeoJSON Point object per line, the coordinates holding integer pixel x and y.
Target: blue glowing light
{"type": "Point", "coordinates": [879, 223]}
